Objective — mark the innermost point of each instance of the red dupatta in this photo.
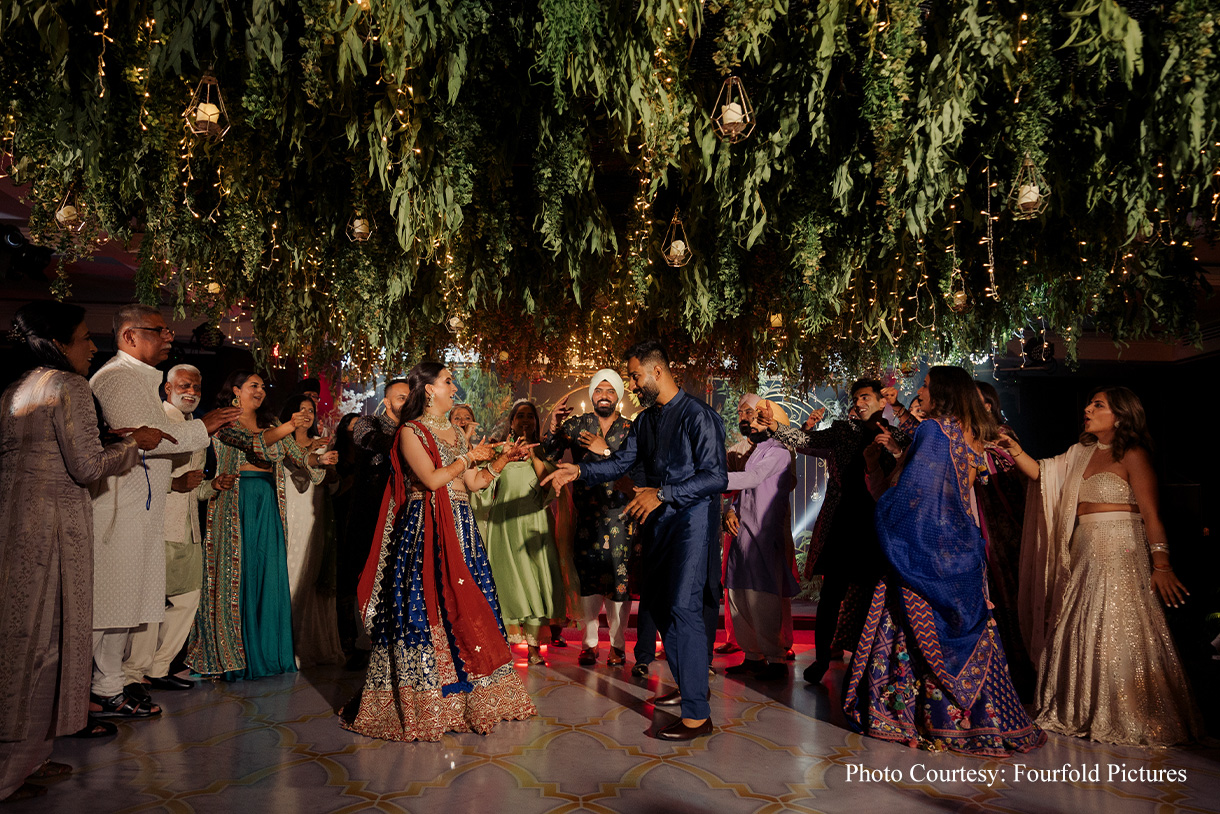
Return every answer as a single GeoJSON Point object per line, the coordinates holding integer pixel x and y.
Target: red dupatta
{"type": "Point", "coordinates": [469, 618]}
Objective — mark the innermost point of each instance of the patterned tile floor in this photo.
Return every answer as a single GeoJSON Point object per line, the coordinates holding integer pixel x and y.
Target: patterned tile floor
{"type": "Point", "coordinates": [274, 745]}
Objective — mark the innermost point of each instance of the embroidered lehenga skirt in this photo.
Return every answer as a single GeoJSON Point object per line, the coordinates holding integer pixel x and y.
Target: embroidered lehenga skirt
{"type": "Point", "coordinates": [893, 692]}
{"type": "Point", "coordinates": [1110, 671]}
{"type": "Point", "coordinates": [416, 687]}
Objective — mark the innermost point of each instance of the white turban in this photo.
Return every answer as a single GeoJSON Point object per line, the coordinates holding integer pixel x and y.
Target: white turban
{"type": "Point", "coordinates": [606, 375]}
{"type": "Point", "coordinates": [748, 401]}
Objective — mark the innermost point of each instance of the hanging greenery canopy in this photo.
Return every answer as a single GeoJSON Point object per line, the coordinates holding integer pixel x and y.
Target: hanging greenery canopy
{"type": "Point", "coordinates": [921, 176]}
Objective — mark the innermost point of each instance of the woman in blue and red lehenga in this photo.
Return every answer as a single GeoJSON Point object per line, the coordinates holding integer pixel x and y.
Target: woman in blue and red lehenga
{"type": "Point", "coordinates": [929, 669]}
{"type": "Point", "coordinates": [440, 661]}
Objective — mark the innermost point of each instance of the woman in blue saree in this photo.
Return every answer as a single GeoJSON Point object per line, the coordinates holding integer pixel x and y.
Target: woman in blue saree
{"type": "Point", "coordinates": [929, 669]}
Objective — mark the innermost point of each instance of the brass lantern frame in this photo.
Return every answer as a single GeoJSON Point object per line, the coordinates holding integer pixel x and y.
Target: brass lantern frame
{"type": "Point", "coordinates": [733, 124]}
{"type": "Point", "coordinates": [354, 233]}
{"type": "Point", "coordinates": [207, 93]}
{"type": "Point", "coordinates": [73, 221]}
{"type": "Point", "coordinates": [677, 251]}
{"type": "Point", "coordinates": [1028, 177]}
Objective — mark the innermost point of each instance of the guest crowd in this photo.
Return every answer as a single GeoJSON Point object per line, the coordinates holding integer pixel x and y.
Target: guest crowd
{"type": "Point", "coordinates": [149, 531]}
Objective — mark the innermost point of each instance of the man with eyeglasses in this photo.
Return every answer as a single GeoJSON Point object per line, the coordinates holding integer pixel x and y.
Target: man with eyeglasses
{"type": "Point", "coordinates": [129, 509]}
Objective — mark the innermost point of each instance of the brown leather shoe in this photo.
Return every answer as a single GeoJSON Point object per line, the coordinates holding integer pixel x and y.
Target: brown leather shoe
{"type": "Point", "coordinates": [669, 699]}
{"type": "Point", "coordinates": [678, 731]}
{"type": "Point", "coordinates": [617, 658]}
{"type": "Point", "coordinates": [587, 656]}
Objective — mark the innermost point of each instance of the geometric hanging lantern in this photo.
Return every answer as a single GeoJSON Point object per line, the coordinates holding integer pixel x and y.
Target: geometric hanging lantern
{"type": "Point", "coordinates": [359, 228]}
{"type": "Point", "coordinates": [677, 249]}
{"type": "Point", "coordinates": [734, 119]}
{"type": "Point", "coordinates": [68, 215]}
{"type": "Point", "coordinates": [1027, 200]}
{"type": "Point", "coordinates": [206, 115]}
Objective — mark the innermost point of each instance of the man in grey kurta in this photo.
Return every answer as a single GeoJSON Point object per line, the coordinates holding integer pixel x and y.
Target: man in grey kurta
{"type": "Point", "coordinates": [129, 509]}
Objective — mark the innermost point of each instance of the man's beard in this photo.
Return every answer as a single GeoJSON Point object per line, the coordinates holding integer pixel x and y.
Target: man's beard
{"type": "Point", "coordinates": [184, 406]}
{"type": "Point", "coordinates": [604, 409]}
{"type": "Point", "coordinates": [648, 394]}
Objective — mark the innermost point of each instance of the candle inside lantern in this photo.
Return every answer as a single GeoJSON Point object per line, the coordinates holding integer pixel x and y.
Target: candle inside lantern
{"type": "Point", "coordinates": [959, 299]}
{"type": "Point", "coordinates": [677, 249]}
{"type": "Point", "coordinates": [731, 113]}
{"type": "Point", "coordinates": [360, 228]}
{"type": "Point", "coordinates": [207, 113]}
{"type": "Point", "coordinates": [67, 215]}
{"type": "Point", "coordinates": [1029, 197]}
{"type": "Point", "coordinates": [213, 288]}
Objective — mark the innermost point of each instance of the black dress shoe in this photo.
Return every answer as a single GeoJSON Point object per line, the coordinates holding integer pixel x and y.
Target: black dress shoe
{"type": "Point", "coordinates": [640, 670]}
{"type": "Point", "coordinates": [669, 699]}
{"type": "Point", "coordinates": [814, 672]}
{"type": "Point", "coordinates": [678, 731]}
{"type": "Point", "coordinates": [746, 667]}
{"type": "Point", "coordinates": [772, 671]}
{"type": "Point", "coordinates": [169, 683]}
{"type": "Point", "coordinates": [137, 691]}
{"type": "Point", "coordinates": [587, 657]}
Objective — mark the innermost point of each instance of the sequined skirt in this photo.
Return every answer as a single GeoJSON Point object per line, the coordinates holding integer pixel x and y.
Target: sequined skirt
{"type": "Point", "coordinates": [1110, 671]}
{"type": "Point", "coordinates": [415, 687]}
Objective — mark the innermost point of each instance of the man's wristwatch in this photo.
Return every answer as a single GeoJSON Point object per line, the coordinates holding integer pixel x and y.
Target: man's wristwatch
{"type": "Point", "coordinates": [662, 496]}
{"type": "Point", "coordinates": [606, 452]}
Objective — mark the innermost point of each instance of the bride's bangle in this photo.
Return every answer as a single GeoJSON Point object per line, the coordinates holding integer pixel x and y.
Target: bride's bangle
{"type": "Point", "coordinates": [1168, 569]}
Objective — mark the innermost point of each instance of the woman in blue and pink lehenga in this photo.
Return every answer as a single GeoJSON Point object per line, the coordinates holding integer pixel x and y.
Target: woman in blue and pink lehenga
{"type": "Point", "coordinates": [929, 669]}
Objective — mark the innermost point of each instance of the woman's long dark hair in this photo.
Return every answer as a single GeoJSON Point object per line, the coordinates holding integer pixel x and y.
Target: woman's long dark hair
{"type": "Point", "coordinates": [512, 414]}
{"type": "Point", "coordinates": [293, 404]}
{"type": "Point", "coordinates": [954, 393]}
{"type": "Point", "coordinates": [420, 375]}
{"type": "Point", "coordinates": [238, 379]}
{"type": "Point", "coordinates": [1130, 422]}
{"type": "Point", "coordinates": [38, 325]}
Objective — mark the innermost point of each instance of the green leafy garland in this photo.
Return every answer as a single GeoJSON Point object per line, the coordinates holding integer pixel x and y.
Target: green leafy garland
{"type": "Point", "coordinates": [519, 162]}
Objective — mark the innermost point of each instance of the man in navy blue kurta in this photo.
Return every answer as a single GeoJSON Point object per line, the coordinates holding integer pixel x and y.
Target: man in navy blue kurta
{"type": "Point", "coordinates": [677, 448]}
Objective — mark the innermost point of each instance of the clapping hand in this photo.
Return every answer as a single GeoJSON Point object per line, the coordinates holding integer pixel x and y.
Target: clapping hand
{"type": "Point", "coordinates": [223, 483]}
{"type": "Point", "coordinates": [329, 458]}
{"type": "Point", "coordinates": [561, 477]}
{"type": "Point", "coordinates": [301, 420]}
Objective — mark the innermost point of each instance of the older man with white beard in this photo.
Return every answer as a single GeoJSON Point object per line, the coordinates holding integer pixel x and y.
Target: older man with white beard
{"type": "Point", "coordinates": [154, 646]}
{"type": "Point", "coordinates": [129, 509]}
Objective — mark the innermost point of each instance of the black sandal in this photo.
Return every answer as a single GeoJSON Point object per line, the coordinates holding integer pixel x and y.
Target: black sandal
{"type": "Point", "coordinates": [25, 791]}
{"type": "Point", "coordinates": [96, 729]}
{"type": "Point", "coordinates": [123, 706]}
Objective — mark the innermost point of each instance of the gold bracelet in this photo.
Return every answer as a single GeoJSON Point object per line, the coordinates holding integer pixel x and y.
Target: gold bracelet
{"type": "Point", "coordinates": [1165, 570]}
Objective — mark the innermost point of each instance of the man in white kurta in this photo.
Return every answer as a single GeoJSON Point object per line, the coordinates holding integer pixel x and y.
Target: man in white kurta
{"type": "Point", "coordinates": [129, 509]}
{"type": "Point", "coordinates": [154, 646]}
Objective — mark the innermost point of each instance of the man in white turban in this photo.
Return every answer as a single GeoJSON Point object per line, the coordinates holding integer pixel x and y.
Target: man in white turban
{"type": "Point", "coordinates": [604, 539]}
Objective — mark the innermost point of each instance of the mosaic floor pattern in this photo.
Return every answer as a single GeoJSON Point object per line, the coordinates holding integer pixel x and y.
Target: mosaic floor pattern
{"type": "Point", "coordinates": [275, 745]}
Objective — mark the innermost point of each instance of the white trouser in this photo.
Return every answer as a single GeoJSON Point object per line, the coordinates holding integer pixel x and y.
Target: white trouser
{"type": "Point", "coordinates": [758, 622]}
{"type": "Point", "coordinates": [109, 649]}
{"type": "Point", "coordinates": [617, 614]}
{"type": "Point", "coordinates": [153, 646]}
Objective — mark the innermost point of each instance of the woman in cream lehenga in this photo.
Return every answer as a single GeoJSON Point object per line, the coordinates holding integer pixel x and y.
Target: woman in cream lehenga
{"type": "Point", "coordinates": [1107, 666]}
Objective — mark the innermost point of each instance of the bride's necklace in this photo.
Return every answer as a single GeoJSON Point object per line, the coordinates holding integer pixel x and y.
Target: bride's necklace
{"type": "Point", "coordinates": [1100, 445]}
{"type": "Point", "coordinates": [434, 422]}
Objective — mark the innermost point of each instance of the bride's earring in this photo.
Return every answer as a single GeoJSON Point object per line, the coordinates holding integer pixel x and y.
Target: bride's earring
{"type": "Point", "coordinates": [236, 401]}
{"type": "Point", "coordinates": [430, 395]}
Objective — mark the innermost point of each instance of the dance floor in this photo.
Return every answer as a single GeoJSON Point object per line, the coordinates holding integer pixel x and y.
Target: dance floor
{"type": "Point", "coordinates": [275, 745]}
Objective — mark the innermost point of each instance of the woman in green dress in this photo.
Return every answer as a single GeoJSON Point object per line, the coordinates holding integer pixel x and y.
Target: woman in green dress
{"type": "Point", "coordinates": [243, 628]}
{"type": "Point", "coordinates": [520, 542]}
